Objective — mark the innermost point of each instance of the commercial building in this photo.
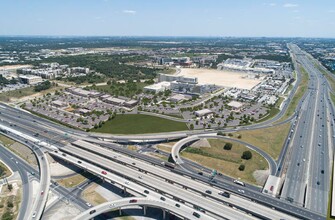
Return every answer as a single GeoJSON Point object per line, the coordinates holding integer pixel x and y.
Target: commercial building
{"type": "Point", "coordinates": [203, 112]}
{"type": "Point", "coordinates": [179, 97]}
{"type": "Point", "coordinates": [235, 105]}
{"type": "Point", "coordinates": [158, 87]}
{"type": "Point", "coordinates": [182, 79]}
{"type": "Point", "coordinates": [29, 79]}
{"type": "Point", "coordinates": [82, 92]}
{"type": "Point", "coordinates": [114, 101]}
{"type": "Point", "coordinates": [59, 104]}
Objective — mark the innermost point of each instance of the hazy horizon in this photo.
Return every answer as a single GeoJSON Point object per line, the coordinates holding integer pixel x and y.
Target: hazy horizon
{"type": "Point", "coordinates": [183, 18]}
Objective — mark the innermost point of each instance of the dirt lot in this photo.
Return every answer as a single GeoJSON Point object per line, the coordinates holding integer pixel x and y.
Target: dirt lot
{"type": "Point", "coordinates": [92, 196]}
{"type": "Point", "coordinates": [222, 78]}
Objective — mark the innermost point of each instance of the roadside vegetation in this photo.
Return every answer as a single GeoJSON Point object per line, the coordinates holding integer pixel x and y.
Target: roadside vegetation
{"type": "Point", "coordinates": [20, 93]}
{"type": "Point", "coordinates": [330, 196]}
{"type": "Point", "coordinates": [139, 124]}
{"type": "Point", "coordinates": [4, 171]}
{"type": "Point", "coordinates": [298, 95]}
{"type": "Point", "coordinates": [236, 161]}
{"type": "Point", "coordinates": [9, 201]}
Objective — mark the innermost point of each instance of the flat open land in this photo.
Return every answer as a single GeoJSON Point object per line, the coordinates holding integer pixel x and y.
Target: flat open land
{"type": "Point", "coordinates": [270, 140]}
{"type": "Point", "coordinates": [140, 124]}
{"type": "Point", "coordinates": [223, 78]}
{"type": "Point", "coordinates": [228, 161]}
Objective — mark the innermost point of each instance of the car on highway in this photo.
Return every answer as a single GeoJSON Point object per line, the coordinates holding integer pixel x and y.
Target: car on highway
{"type": "Point", "coordinates": [225, 194]}
{"type": "Point", "coordinates": [104, 172]}
{"type": "Point", "coordinates": [88, 204]}
{"type": "Point", "coordinates": [42, 192]}
{"type": "Point", "coordinates": [196, 214]}
{"type": "Point", "coordinates": [162, 198]}
{"type": "Point", "coordinates": [92, 211]}
{"type": "Point", "coordinates": [239, 182]}
{"type": "Point", "coordinates": [32, 173]}
{"type": "Point", "coordinates": [111, 205]}
{"type": "Point", "coordinates": [146, 191]}
{"type": "Point", "coordinates": [140, 177]}
{"type": "Point", "coordinates": [34, 214]}
{"type": "Point", "coordinates": [127, 182]}
{"type": "Point", "coordinates": [208, 192]}
{"type": "Point", "coordinates": [241, 190]}
{"type": "Point", "coordinates": [200, 173]}
{"type": "Point", "coordinates": [133, 201]}
{"type": "Point", "coordinates": [64, 154]}
{"type": "Point", "coordinates": [177, 205]}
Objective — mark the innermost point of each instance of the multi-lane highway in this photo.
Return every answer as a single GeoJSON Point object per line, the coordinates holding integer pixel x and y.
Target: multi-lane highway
{"type": "Point", "coordinates": [25, 124]}
{"type": "Point", "coordinates": [308, 174]}
{"type": "Point", "coordinates": [306, 181]}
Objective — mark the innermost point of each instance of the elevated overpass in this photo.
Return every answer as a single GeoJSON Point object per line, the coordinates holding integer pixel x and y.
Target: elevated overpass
{"type": "Point", "coordinates": [144, 202]}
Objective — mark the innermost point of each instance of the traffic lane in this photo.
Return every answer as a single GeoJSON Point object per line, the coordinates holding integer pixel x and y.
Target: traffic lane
{"type": "Point", "coordinates": [6, 157]}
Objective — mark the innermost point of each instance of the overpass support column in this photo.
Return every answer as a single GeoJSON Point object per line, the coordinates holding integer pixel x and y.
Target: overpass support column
{"type": "Point", "coordinates": [144, 210]}
{"type": "Point", "coordinates": [164, 214]}
{"type": "Point", "coordinates": [124, 190]}
{"type": "Point", "coordinates": [120, 211]}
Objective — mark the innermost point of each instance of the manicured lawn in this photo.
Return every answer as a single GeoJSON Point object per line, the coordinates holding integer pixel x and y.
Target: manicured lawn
{"type": "Point", "coordinates": [270, 140]}
{"type": "Point", "coordinates": [228, 161]}
{"type": "Point", "coordinates": [140, 124]}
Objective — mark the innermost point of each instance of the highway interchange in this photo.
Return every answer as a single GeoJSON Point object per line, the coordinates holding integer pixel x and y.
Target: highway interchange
{"type": "Point", "coordinates": [305, 186]}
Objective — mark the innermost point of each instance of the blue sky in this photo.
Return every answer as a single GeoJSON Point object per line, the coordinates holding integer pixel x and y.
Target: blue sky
{"type": "Point", "coordinates": [277, 18]}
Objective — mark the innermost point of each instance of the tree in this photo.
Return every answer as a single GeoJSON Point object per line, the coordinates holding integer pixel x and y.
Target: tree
{"type": "Point", "coordinates": [10, 204]}
{"type": "Point", "coordinates": [239, 136]}
{"type": "Point", "coordinates": [10, 187]}
{"type": "Point", "coordinates": [220, 133]}
{"type": "Point", "coordinates": [191, 126]}
{"type": "Point", "coordinates": [228, 146]}
{"type": "Point", "coordinates": [241, 167]}
{"type": "Point", "coordinates": [246, 155]}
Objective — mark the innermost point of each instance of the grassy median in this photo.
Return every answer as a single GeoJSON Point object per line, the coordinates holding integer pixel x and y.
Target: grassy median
{"type": "Point", "coordinates": [270, 140]}
{"type": "Point", "coordinates": [298, 94]}
{"type": "Point", "coordinates": [228, 161]}
{"type": "Point", "coordinates": [140, 124]}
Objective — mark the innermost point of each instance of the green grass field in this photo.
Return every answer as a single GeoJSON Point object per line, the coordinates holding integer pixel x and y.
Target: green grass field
{"type": "Point", "coordinates": [140, 124]}
{"type": "Point", "coordinates": [271, 139]}
{"type": "Point", "coordinates": [227, 161]}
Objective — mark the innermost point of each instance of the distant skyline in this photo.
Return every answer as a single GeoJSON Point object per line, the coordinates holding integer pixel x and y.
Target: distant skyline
{"type": "Point", "coordinates": [239, 18]}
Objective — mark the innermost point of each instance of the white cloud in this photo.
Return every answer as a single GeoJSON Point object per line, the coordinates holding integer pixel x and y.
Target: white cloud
{"type": "Point", "coordinates": [270, 4]}
{"type": "Point", "coordinates": [129, 11]}
{"type": "Point", "coordinates": [290, 5]}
